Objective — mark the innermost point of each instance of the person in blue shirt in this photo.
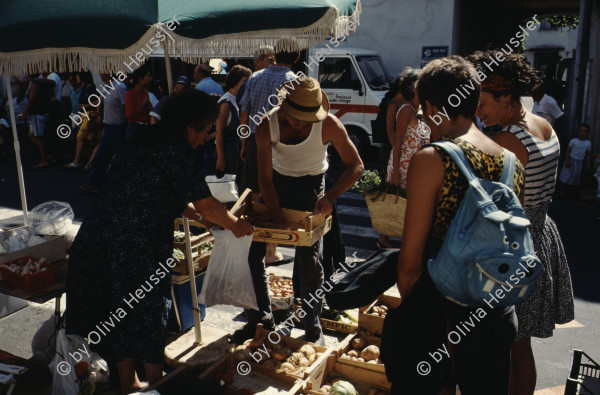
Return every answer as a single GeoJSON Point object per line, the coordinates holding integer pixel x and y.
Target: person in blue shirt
{"type": "Point", "coordinates": [204, 82]}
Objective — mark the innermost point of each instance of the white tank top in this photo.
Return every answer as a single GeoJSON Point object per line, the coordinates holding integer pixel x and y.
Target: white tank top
{"type": "Point", "coordinates": [307, 158]}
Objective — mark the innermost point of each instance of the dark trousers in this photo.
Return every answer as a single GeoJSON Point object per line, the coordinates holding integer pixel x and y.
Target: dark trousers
{"type": "Point", "coordinates": [250, 171]}
{"type": "Point", "coordinates": [296, 193]}
{"type": "Point", "coordinates": [135, 131]}
{"type": "Point", "coordinates": [113, 141]}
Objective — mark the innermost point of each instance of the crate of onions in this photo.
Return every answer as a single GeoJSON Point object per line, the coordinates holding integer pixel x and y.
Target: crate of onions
{"type": "Point", "coordinates": [281, 291]}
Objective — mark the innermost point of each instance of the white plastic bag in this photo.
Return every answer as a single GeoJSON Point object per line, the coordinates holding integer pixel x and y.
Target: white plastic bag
{"type": "Point", "coordinates": [51, 218]}
{"type": "Point", "coordinates": [223, 189]}
{"type": "Point", "coordinates": [228, 279]}
{"type": "Point", "coordinates": [64, 380]}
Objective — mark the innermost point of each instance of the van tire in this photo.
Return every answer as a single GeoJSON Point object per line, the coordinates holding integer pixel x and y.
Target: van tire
{"type": "Point", "coordinates": [360, 140]}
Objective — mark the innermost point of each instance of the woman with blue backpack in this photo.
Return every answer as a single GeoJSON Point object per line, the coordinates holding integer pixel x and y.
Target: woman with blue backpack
{"type": "Point", "coordinates": [434, 340]}
{"type": "Point", "coordinates": [536, 145]}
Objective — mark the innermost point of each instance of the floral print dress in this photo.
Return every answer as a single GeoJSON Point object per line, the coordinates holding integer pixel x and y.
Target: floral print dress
{"type": "Point", "coordinates": [415, 137]}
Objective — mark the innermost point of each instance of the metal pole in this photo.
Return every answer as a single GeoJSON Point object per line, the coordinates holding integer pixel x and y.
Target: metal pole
{"type": "Point", "coordinates": [17, 148]}
{"type": "Point", "coordinates": [190, 265]}
{"type": "Point", "coordinates": [168, 66]}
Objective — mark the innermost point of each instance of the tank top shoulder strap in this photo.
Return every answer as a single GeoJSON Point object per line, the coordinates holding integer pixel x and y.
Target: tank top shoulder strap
{"type": "Point", "coordinates": [519, 132]}
{"type": "Point", "coordinates": [273, 125]}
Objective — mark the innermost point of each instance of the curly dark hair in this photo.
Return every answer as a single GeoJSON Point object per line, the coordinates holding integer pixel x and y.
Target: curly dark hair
{"type": "Point", "coordinates": [408, 82]}
{"type": "Point", "coordinates": [514, 68]}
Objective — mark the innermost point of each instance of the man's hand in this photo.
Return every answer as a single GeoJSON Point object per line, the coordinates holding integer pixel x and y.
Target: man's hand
{"type": "Point", "coordinates": [242, 228]}
{"type": "Point", "coordinates": [568, 163]}
{"type": "Point", "coordinates": [324, 205]}
{"type": "Point", "coordinates": [282, 223]}
{"type": "Point", "coordinates": [220, 164]}
{"type": "Point", "coordinates": [22, 117]}
{"type": "Point", "coordinates": [243, 151]}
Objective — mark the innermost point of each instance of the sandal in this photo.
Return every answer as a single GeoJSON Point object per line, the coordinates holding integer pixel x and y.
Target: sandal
{"type": "Point", "coordinates": [73, 165]}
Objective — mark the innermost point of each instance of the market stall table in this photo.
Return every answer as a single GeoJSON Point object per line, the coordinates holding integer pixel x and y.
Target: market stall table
{"type": "Point", "coordinates": [54, 290]}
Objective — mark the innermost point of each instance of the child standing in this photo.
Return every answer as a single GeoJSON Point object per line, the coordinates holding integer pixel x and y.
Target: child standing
{"type": "Point", "coordinates": [577, 153]}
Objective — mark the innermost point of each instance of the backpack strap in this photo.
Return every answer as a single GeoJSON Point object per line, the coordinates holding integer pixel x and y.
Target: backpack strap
{"type": "Point", "coordinates": [458, 156]}
{"type": "Point", "coordinates": [508, 171]}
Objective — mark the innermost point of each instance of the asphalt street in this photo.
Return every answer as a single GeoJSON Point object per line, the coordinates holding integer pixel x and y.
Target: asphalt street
{"type": "Point", "coordinates": [578, 223]}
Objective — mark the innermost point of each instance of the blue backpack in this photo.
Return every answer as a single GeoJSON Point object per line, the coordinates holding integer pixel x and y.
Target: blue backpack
{"type": "Point", "coordinates": [487, 257]}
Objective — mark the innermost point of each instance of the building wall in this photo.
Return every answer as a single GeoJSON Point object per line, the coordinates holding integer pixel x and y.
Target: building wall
{"type": "Point", "coordinates": [552, 38]}
{"type": "Point", "coordinates": [399, 29]}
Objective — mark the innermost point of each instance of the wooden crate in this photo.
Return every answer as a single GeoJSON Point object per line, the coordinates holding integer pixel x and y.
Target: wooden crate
{"type": "Point", "coordinates": [338, 326]}
{"type": "Point", "coordinates": [335, 326]}
{"type": "Point", "coordinates": [306, 228]}
{"type": "Point", "coordinates": [201, 260]}
{"type": "Point", "coordinates": [373, 324]}
{"type": "Point", "coordinates": [294, 344]}
{"type": "Point", "coordinates": [364, 381]}
{"type": "Point", "coordinates": [257, 382]}
{"type": "Point", "coordinates": [346, 346]}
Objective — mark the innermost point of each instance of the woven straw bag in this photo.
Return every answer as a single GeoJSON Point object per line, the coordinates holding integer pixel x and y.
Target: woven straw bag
{"type": "Point", "coordinates": [387, 213]}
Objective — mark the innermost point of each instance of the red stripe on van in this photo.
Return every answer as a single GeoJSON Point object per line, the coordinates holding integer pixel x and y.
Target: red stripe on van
{"type": "Point", "coordinates": [346, 108]}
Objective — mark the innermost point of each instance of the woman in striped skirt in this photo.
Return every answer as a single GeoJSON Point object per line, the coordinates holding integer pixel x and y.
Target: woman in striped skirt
{"type": "Point", "coordinates": [535, 144]}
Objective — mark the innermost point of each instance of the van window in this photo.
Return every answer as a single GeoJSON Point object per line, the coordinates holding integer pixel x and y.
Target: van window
{"type": "Point", "coordinates": [374, 72]}
{"type": "Point", "coordinates": [336, 73]}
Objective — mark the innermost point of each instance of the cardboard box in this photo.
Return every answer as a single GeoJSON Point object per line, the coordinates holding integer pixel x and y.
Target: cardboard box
{"type": "Point", "coordinates": [53, 250]}
{"type": "Point", "coordinates": [279, 303]}
{"type": "Point", "coordinates": [306, 228]}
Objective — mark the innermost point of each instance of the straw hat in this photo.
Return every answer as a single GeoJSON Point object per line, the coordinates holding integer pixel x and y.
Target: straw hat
{"type": "Point", "coordinates": [304, 100]}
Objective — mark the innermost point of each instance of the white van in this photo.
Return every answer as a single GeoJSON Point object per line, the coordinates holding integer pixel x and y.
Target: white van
{"type": "Point", "coordinates": [355, 80]}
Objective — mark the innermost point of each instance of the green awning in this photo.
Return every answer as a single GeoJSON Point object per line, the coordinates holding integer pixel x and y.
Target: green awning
{"type": "Point", "coordinates": [101, 34]}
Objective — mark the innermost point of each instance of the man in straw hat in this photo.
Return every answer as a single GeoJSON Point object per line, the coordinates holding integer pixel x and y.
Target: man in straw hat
{"type": "Point", "coordinates": [292, 161]}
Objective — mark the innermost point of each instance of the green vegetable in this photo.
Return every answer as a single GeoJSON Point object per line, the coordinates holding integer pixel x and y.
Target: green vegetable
{"type": "Point", "coordinates": [343, 388]}
{"type": "Point", "coordinates": [178, 254]}
{"type": "Point", "coordinates": [370, 183]}
{"type": "Point", "coordinates": [179, 236]}
{"type": "Point", "coordinates": [206, 247]}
